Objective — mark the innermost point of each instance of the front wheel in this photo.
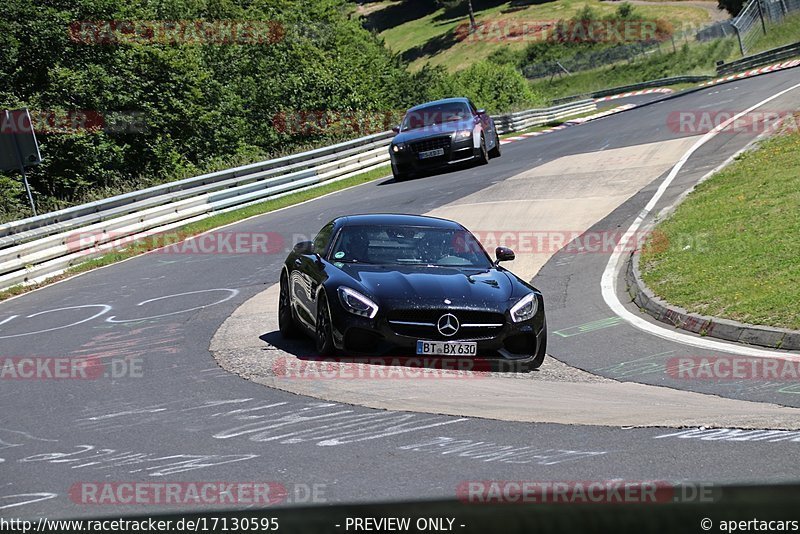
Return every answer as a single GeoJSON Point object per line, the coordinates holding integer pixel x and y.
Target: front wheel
{"type": "Point", "coordinates": [286, 323]}
{"type": "Point", "coordinates": [399, 176]}
{"type": "Point", "coordinates": [483, 155]}
{"type": "Point", "coordinates": [495, 152]}
{"type": "Point", "coordinates": [324, 328]}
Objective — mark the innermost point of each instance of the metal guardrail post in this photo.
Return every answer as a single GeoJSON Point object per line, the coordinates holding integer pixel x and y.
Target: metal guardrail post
{"type": "Point", "coordinates": [739, 38]}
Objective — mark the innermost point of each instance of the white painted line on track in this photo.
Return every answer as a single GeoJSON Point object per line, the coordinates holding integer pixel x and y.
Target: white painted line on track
{"type": "Point", "coordinates": [608, 282]}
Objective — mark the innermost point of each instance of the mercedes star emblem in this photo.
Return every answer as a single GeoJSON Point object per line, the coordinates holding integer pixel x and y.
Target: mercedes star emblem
{"type": "Point", "coordinates": [447, 325]}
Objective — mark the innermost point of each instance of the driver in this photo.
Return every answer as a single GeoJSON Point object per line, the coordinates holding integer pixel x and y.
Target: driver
{"type": "Point", "coordinates": [357, 245]}
{"type": "Point", "coordinates": [433, 246]}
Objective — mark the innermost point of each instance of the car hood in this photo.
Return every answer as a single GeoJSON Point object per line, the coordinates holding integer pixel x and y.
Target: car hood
{"type": "Point", "coordinates": [423, 285]}
{"type": "Point", "coordinates": [445, 128]}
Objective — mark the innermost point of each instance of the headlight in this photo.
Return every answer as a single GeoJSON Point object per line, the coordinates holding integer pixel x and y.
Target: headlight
{"type": "Point", "coordinates": [356, 303]}
{"type": "Point", "coordinates": [463, 134]}
{"type": "Point", "coordinates": [398, 148]}
{"type": "Point", "coordinates": [525, 308]}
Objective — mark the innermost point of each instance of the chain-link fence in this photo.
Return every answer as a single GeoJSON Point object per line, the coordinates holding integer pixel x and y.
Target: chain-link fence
{"type": "Point", "coordinates": [589, 60]}
{"type": "Point", "coordinates": [753, 22]}
{"type": "Point", "coordinates": [754, 19]}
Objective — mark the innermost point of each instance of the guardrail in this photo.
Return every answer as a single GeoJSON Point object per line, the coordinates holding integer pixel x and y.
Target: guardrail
{"type": "Point", "coordinates": [26, 229]}
{"type": "Point", "coordinates": [634, 87]}
{"type": "Point", "coordinates": [522, 120]}
{"type": "Point", "coordinates": [39, 247]}
{"type": "Point", "coordinates": [758, 60]}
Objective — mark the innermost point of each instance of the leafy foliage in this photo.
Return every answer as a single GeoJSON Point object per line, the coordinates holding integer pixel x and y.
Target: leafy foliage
{"type": "Point", "coordinates": [198, 107]}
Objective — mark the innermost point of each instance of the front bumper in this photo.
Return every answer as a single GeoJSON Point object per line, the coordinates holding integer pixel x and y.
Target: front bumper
{"type": "Point", "coordinates": [455, 152]}
{"type": "Point", "coordinates": [390, 332]}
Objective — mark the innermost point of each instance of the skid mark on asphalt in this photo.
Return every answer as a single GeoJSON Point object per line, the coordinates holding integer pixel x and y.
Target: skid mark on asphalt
{"type": "Point", "coordinates": [152, 464]}
{"type": "Point", "coordinates": [640, 366]}
{"type": "Point", "coordinates": [321, 423]}
{"type": "Point", "coordinates": [495, 452]}
{"type": "Point", "coordinates": [589, 327]}
{"type": "Point", "coordinates": [734, 434]}
{"type": "Point", "coordinates": [138, 342]}
{"type": "Point", "coordinates": [21, 499]}
{"type": "Point", "coordinates": [46, 321]}
{"type": "Point", "coordinates": [668, 365]}
{"type": "Point", "coordinates": [22, 447]}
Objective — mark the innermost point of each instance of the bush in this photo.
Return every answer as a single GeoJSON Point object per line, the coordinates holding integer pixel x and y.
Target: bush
{"type": "Point", "coordinates": [498, 88]}
{"type": "Point", "coordinates": [204, 107]}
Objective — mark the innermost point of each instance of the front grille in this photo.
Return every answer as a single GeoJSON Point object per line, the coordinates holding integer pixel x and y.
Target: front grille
{"type": "Point", "coordinates": [431, 316]}
{"type": "Point", "coordinates": [429, 330]}
{"type": "Point", "coordinates": [431, 144]}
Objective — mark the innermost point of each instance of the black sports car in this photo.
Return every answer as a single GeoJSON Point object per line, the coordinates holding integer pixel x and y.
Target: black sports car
{"type": "Point", "coordinates": [442, 133]}
{"type": "Point", "coordinates": [381, 283]}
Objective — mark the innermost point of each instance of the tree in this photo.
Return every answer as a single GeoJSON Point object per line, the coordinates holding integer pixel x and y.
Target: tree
{"type": "Point", "coordinates": [451, 4]}
{"type": "Point", "coordinates": [472, 23]}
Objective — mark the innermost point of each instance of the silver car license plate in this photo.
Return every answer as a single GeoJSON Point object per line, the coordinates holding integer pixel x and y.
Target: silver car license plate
{"type": "Point", "coordinates": [431, 153]}
{"type": "Point", "coordinates": [447, 348]}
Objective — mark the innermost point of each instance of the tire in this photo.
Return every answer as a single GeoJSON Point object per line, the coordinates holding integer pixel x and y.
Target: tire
{"type": "Point", "coordinates": [286, 323]}
{"type": "Point", "coordinates": [324, 330]}
{"type": "Point", "coordinates": [495, 152]}
{"type": "Point", "coordinates": [483, 155]}
{"type": "Point", "coordinates": [399, 176]}
{"type": "Point", "coordinates": [537, 360]}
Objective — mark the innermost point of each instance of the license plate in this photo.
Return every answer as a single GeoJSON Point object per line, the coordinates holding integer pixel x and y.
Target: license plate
{"type": "Point", "coordinates": [431, 153]}
{"type": "Point", "coordinates": [447, 348]}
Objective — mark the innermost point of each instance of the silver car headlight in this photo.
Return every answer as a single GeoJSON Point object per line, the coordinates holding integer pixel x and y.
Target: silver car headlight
{"type": "Point", "coordinates": [525, 308]}
{"type": "Point", "coordinates": [356, 303]}
{"type": "Point", "coordinates": [463, 134]}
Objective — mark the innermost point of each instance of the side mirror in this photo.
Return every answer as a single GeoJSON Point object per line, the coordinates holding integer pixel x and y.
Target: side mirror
{"type": "Point", "coordinates": [481, 111]}
{"type": "Point", "coordinates": [504, 254]}
{"type": "Point", "coordinates": [304, 247]}
{"type": "Point", "coordinates": [396, 129]}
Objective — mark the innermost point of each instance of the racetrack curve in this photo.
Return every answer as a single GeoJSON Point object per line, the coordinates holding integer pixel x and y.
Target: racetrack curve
{"type": "Point", "coordinates": [185, 419]}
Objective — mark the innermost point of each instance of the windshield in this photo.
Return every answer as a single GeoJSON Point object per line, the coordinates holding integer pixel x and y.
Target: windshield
{"type": "Point", "coordinates": [403, 245]}
{"type": "Point", "coordinates": [435, 114]}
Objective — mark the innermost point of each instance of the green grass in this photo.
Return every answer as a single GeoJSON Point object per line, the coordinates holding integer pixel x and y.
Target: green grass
{"type": "Point", "coordinates": [732, 247]}
{"type": "Point", "coordinates": [215, 221]}
{"type": "Point", "coordinates": [787, 32]}
{"type": "Point", "coordinates": [455, 55]}
{"type": "Point", "coordinates": [698, 59]}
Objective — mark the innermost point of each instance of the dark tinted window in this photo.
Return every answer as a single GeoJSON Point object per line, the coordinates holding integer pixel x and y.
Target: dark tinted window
{"type": "Point", "coordinates": [322, 239]}
{"type": "Point", "coordinates": [404, 245]}
{"type": "Point", "coordinates": [435, 114]}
